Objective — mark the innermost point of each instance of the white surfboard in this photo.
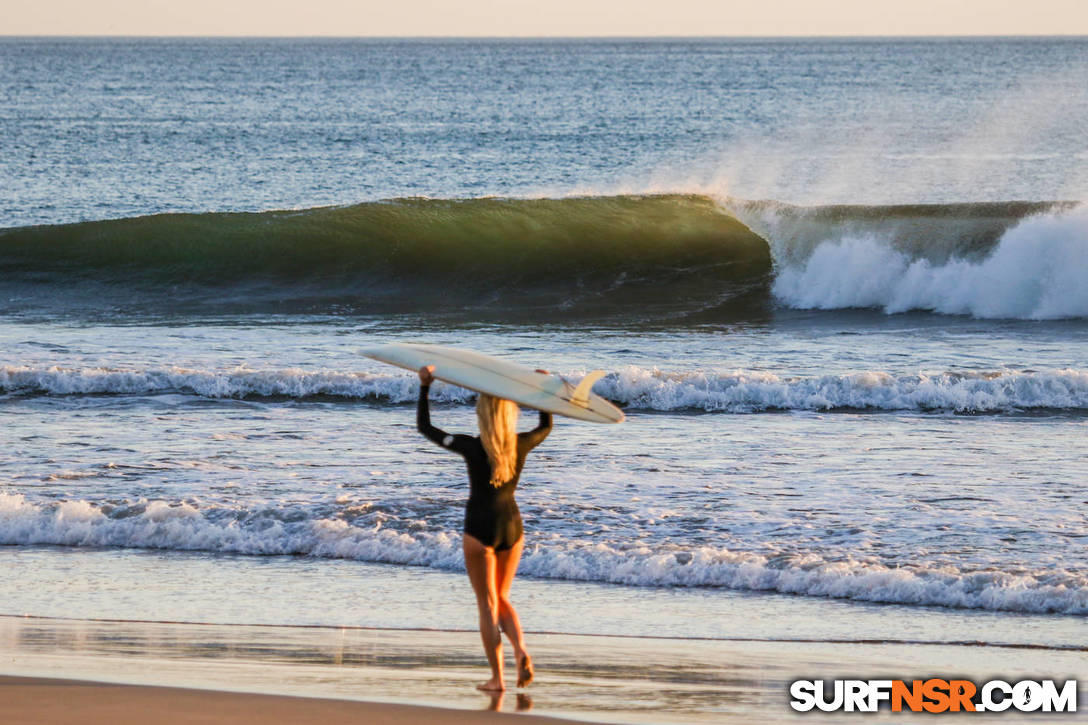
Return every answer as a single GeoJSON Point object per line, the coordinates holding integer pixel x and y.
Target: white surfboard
{"type": "Point", "coordinates": [504, 379]}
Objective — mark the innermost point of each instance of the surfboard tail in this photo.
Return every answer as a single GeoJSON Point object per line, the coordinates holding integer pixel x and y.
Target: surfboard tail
{"type": "Point", "coordinates": [580, 396]}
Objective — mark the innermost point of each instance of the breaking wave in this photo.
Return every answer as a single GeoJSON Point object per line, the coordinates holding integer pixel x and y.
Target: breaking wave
{"type": "Point", "coordinates": [667, 256]}
{"type": "Point", "coordinates": [187, 527]}
{"type": "Point", "coordinates": [1037, 270]}
{"type": "Point", "coordinates": [633, 387]}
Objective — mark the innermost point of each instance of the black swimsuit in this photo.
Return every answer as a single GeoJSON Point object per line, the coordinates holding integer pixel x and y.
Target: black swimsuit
{"type": "Point", "coordinates": [491, 514]}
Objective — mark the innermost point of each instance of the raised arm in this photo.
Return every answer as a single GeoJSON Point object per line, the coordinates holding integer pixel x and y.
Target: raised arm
{"type": "Point", "coordinates": [423, 415]}
{"type": "Point", "coordinates": [531, 439]}
{"type": "Point", "coordinates": [423, 418]}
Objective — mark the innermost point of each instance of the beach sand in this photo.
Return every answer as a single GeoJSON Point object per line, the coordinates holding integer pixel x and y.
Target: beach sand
{"type": "Point", "coordinates": [604, 679]}
{"type": "Point", "coordinates": [41, 701]}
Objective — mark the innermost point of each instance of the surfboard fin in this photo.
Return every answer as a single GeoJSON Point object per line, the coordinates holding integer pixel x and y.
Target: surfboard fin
{"type": "Point", "coordinates": [580, 396]}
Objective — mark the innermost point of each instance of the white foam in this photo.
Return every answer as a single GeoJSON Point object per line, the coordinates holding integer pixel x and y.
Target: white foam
{"type": "Point", "coordinates": [737, 391]}
{"type": "Point", "coordinates": [236, 383]}
{"type": "Point", "coordinates": [747, 391]}
{"type": "Point", "coordinates": [1037, 271]}
{"type": "Point", "coordinates": [1038, 592]}
{"type": "Point", "coordinates": [184, 527]}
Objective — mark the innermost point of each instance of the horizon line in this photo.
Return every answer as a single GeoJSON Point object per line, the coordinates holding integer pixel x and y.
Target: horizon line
{"type": "Point", "coordinates": [795, 36]}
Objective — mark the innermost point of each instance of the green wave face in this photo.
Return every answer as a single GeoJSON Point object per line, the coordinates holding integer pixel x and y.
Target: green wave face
{"type": "Point", "coordinates": [548, 238]}
{"type": "Point", "coordinates": [599, 255]}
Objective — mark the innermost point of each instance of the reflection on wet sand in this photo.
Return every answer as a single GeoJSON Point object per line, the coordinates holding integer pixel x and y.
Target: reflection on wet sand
{"type": "Point", "coordinates": [604, 678]}
{"type": "Point", "coordinates": [523, 701]}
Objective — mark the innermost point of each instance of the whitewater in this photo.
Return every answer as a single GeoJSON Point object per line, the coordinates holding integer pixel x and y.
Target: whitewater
{"type": "Point", "coordinates": [182, 526]}
{"type": "Point", "coordinates": [737, 391]}
{"type": "Point", "coordinates": [1036, 271]}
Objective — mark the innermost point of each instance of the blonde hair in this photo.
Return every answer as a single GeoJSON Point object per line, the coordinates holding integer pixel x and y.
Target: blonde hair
{"type": "Point", "coordinates": [498, 419]}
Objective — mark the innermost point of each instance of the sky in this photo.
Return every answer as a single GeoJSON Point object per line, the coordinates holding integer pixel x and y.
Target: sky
{"type": "Point", "coordinates": [544, 17]}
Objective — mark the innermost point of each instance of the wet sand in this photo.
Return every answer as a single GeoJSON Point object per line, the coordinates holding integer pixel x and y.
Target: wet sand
{"type": "Point", "coordinates": [599, 678]}
{"type": "Point", "coordinates": [41, 701]}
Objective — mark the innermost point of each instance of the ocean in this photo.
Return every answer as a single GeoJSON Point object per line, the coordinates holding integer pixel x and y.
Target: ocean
{"type": "Point", "coordinates": [840, 288]}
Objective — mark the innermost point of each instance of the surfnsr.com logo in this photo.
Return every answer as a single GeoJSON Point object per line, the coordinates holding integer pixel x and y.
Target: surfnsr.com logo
{"type": "Point", "coordinates": [933, 695]}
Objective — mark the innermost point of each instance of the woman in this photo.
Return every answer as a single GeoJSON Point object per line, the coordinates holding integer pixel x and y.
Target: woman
{"type": "Point", "coordinates": [493, 534]}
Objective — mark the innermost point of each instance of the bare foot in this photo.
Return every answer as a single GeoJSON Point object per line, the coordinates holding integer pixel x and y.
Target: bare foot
{"type": "Point", "coordinates": [525, 670]}
{"type": "Point", "coordinates": [491, 685]}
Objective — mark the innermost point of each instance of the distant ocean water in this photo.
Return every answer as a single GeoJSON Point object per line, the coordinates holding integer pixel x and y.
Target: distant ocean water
{"type": "Point", "coordinates": [839, 287]}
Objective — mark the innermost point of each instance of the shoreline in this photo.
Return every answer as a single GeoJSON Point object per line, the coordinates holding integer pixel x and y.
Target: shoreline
{"type": "Point", "coordinates": [580, 677]}
{"type": "Point", "coordinates": [536, 632]}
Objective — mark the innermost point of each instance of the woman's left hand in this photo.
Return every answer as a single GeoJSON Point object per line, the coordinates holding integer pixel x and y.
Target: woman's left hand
{"type": "Point", "coordinates": [426, 374]}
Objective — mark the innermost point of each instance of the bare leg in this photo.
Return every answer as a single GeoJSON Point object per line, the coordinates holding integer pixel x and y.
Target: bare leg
{"type": "Point", "coordinates": [480, 564]}
{"type": "Point", "coordinates": [505, 569]}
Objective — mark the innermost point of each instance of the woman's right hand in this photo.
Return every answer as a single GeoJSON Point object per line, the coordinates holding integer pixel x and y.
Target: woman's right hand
{"type": "Point", "coordinates": [426, 375]}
